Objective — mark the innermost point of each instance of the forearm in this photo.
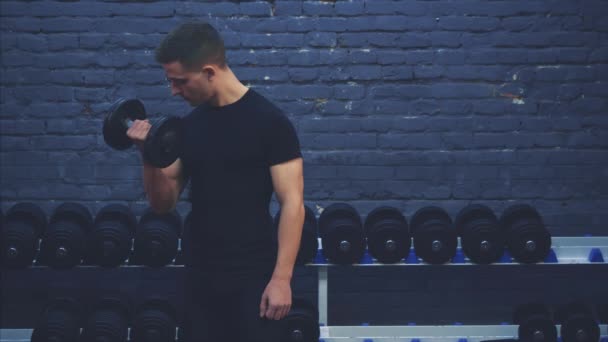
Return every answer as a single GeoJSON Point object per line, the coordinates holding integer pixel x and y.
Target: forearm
{"type": "Point", "coordinates": [291, 222]}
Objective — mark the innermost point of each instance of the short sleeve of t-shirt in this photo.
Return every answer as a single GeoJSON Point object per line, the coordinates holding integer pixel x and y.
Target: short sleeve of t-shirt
{"type": "Point", "coordinates": [282, 142]}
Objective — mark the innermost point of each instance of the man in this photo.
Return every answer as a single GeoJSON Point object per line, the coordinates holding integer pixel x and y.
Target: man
{"type": "Point", "coordinates": [238, 148]}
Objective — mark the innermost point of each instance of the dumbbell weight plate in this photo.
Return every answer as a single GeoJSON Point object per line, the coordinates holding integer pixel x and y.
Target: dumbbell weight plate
{"type": "Point", "coordinates": [577, 323]}
{"type": "Point", "coordinates": [535, 323]}
{"type": "Point", "coordinates": [116, 123]}
{"type": "Point", "coordinates": [482, 238]}
{"type": "Point", "coordinates": [387, 234]}
{"type": "Point", "coordinates": [302, 322]}
{"type": "Point", "coordinates": [163, 143]}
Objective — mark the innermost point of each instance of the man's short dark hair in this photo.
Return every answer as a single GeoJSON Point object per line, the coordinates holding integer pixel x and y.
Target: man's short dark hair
{"type": "Point", "coordinates": [192, 44]}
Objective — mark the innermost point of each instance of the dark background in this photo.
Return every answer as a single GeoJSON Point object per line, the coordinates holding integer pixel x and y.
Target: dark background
{"type": "Point", "coordinates": [402, 103]}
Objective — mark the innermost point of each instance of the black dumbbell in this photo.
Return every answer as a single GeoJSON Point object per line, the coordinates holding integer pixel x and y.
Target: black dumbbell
{"type": "Point", "coordinates": [163, 143]}
{"type": "Point", "coordinates": [154, 321]}
{"type": "Point", "coordinates": [156, 238]}
{"type": "Point", "coordinates": [341, 234]}
{"type": "Point", "coordinates": [435, 240]}
{"type": "Point", "coordinates": [110, 238]}
{"type": "Point", "coordinates": [309, 243]}
{"type": "Point", "coordinates": [107, 321]}
{"type": "Point", "coordinates": [22, 228]}
{"type": "Point", "coordinates": [577, 323]}
{"type": "Point", "coordinates": [59, 321]}
{"type": "Point", "coordinates": [527, 238]}
{"type": "Point", "coordinates": [388, 236]}
{"type": "Point", "coordinates": [301, 323]}
{"type": "Point", "coordinates": [535, 323]}
{"type": "Point", "coordinates": [64, 242]}
{"type": "Point", "coordinates": [481, 236]}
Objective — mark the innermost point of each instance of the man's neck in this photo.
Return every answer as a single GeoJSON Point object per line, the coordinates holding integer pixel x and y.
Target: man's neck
{"type": "Point", "coordinates": [229, 90]}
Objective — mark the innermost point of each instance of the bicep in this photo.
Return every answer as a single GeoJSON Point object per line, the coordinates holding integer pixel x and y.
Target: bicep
{"type": "Point", "coordinates": [288, 180]}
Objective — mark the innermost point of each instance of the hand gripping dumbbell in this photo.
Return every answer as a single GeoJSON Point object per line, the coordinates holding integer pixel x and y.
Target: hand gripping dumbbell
{"type": "Point", "coordinates": [388, 236]}
{"type": "Point", "coordinates": [301, 323]}
{"type": "Point", "coordinates": [435, 239]}
{"type": "Point", "coordinates": [154, 321]}
{"type": "Point", "coordinates": [481, 236]}
{"type": "Point", "coordinates": [527, 238]}
{"type": "Point", "coordinates": [577, 323]}
{"type": "Point", "coordinates": [110, 238]}
{"type": "Point", "coordinates": [64, 241]}
{"type": "Point", "coordinates": [23, 226]}
{"type": "Point", "coordinates": [59, 321]}
{"type": "Point", "coordinates": [342, 234]}
{"type": "Point", "coordinates": [535, 323]}
{"type": "Point", "coordinates": [309, 243]}
{"type": "Point", "coordinates": [162, 146]}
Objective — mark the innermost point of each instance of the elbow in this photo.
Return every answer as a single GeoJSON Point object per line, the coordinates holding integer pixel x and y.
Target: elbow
{"type": "Point", "coordinates": [162, 205]}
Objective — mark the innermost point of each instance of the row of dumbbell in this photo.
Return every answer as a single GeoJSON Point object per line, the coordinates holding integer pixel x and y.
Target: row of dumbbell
{"type": "Point", "coordinates": [63, 319]}
{"type": "Point", "coordinates": [579, 322]}
{"type": "Point", "coordinates": [72, 237]}
{"type": "Point", "coordinates": [111, 319]}
{"type": "Point", "coordinates": [388, 235]}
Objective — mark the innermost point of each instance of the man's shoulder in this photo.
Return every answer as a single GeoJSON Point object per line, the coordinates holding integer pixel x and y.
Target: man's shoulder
{"type": "Point", "coordinates": [265, 107]}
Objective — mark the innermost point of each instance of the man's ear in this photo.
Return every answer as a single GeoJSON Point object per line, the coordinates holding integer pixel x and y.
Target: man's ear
{"type": "Point", "coordinates": [209, 72]}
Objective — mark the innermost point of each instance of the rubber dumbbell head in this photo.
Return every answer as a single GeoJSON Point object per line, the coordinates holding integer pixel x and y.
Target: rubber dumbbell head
{"type": "Point", "coordinates": [301, 323]}
{"type": "Point", "coordinates": [309, 243]}
{"type": "Point", "coordinates": [535, 323]}
{"type": "Point", "coordinates": [388, 237]}
{"type": "Point", "coordinates": [435, 240]}
{"type": "Point", "coordinates": [23, 225]}
{"type": "Point", "coordinates": [527, 238]}
{"type": "Point", "coordinates": [64, 242]}
{"type": "Point", "coordinates": [481, 236]}
{"type": "Point", "coordinates": [163, 144]}
{"type": "Point", "coordinates": [342, 234]}
{"type": "Point", "coordinates": [577, 323]}
{"type": "Point", "coordinates": [156, 238]}
{"type": "Point", "coordinates": [107, 321]}
{"type": "Point", "coordinates": [154, 321]}
{"type": "Point", "coordinates": [117, 122]}
{"type": "Point", "coordinates": [111, 235]}
{"type": "Point", "coordinates": [59, 321]}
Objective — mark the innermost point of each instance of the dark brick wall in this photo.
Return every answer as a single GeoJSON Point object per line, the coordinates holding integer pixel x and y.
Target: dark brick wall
{"type": "Point", "coordinates": [404, 103]}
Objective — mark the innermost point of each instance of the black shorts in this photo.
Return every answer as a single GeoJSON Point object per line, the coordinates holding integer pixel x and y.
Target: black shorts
{"type": "Point", "coordinates": [227, 308]}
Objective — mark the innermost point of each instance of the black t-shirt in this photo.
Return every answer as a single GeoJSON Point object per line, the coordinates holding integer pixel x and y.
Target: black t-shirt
{"type": "Point", "coordinates": [227, 155]}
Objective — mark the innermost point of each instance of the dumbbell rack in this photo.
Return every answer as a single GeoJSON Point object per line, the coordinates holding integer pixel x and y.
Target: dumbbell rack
{"type": "Point", "coordinates": [564, 250]}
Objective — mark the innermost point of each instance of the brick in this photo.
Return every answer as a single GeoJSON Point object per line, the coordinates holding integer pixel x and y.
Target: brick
{"type": "Point", "coordinates": [350, 92]}
{"type": "Point", "coordinates": [288, 8]}
{"type": "Point", "coordinates": [321, 39]}
{"type": "Point", "coordinates": [391, 57]}
{"type": "Point", "coordinates": [449, 57]}
{"type": "Point", "coordinates": [410, 8]}
{"type": "Point", "coordinates": [397, 73]}
{"type": "Point", "coordinates": [303, 74]}
{"type": "Point", "coordinates": [301, 24]}
{"type": "Point", "coordinates": [219, 9]}
{"type": "Point", "coordinates": [468, 23]}
{"type": "Point", "coordinates": [255, 9]}
{"type": "Point", "coordinates": [317, 8]}
{"type": "Point", "coordinates": [304, 57]}
{"type": "Point", "coordinates": [411, 141]}
{"type": "Point", "coordinates": [364, 72]}
{"type": "Point", "coordinates": [344, 8]}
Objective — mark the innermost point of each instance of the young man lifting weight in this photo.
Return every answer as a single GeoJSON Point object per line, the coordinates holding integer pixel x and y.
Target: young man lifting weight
{"type": "Point", "coordinates": [238, 149]}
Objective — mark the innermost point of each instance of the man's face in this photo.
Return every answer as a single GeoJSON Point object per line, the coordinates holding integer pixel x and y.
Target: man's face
{"type": "Point", "coordinates": [193, 86]}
